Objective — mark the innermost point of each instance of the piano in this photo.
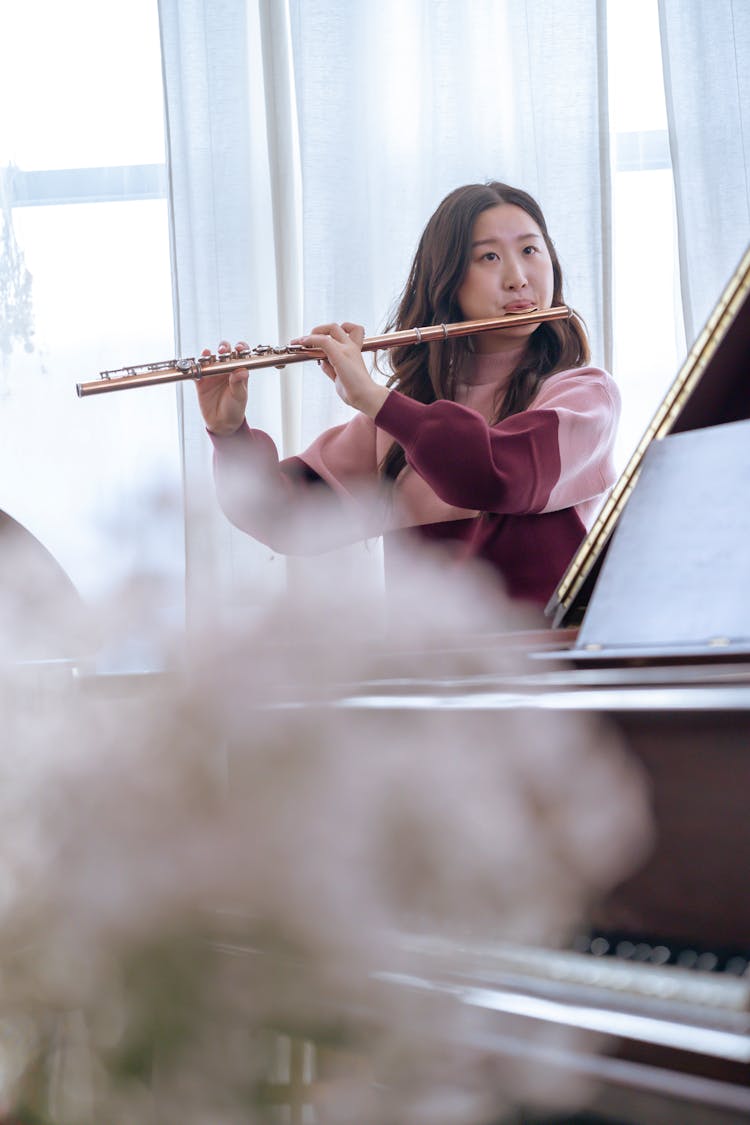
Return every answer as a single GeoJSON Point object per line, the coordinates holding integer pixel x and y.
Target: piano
{"type": "Point", "coordinates": [650, 630]}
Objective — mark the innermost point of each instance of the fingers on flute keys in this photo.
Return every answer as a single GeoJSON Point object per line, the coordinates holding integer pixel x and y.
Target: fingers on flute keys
{"type": "Point", "coordinates": [337, 341]}
{"type": "Point", "coordinates": [225, 346]}
{"type": "Point", "coordinates": [323, 334]}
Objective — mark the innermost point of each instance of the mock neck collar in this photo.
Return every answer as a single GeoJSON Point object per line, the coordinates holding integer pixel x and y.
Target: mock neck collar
{"type": "Point", "coordinates": [492, 367]}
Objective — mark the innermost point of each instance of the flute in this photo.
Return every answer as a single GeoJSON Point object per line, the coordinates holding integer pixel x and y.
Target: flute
{"type": "Point", "coordinates": [265, 355]}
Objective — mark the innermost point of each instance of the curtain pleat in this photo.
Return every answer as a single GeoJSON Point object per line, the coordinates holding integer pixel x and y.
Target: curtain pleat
{"type": "Point", "coordinates": [220, 176]}
{"type": "Point", "coordinates": [706, 60]}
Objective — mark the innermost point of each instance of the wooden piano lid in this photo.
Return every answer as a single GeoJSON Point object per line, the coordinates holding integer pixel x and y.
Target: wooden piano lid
{"type": "Point", "coordinates": [711, 388]}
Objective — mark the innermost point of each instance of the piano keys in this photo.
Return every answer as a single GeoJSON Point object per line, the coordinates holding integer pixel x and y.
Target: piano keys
{"type": "Point", "coordinates": [646, 968]}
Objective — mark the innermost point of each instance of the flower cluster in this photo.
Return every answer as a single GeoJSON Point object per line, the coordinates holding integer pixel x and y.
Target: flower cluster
{"type": "Point", "coordinates": [205, 869]}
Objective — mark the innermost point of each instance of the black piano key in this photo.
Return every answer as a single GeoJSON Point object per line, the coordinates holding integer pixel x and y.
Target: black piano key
{"type": "Point", "coordinates": [660, 950]}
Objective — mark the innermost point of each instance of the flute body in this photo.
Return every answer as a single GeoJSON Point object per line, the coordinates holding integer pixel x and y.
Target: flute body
{"type": "Point", "coordinates": [251, 359]}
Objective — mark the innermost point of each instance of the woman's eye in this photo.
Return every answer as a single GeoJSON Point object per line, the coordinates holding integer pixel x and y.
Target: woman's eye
{"type": "Point", "coordinates": [490, 256]}
{"type": "Point", "coordinates": [531, 250]}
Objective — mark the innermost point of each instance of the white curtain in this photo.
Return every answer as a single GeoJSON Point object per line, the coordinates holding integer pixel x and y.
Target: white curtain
{"type": "Point", "coordinates": [400, 102]}
{"type": "Point", "coordinates": [220, 126]}
{"type": "Point", "coordinates": [706, 58]}
{"type": "Point", "coordinates": [309, 141]}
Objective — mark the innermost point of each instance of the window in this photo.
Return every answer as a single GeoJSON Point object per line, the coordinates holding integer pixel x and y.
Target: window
{"type": "Point", "coordinates": [96, 480]}
{"type": "Point", "coordinates": [648, 344]}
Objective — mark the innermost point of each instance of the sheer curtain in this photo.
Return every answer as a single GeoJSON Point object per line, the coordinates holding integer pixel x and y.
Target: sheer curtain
{"type": "Point", "coordinates": [309, 140]}
{"type": "Point", "coordinates": [222, 247]}
{"type": "Point", "coordinates": [706, 58]}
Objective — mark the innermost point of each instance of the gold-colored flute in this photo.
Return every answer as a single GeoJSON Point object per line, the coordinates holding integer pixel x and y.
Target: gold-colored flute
{"type": "Point", "coordinates": [177, 370]}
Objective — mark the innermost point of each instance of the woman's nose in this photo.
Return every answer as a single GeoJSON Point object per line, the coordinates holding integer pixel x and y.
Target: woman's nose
{"type": "Point", "coordinates": [515, 276]}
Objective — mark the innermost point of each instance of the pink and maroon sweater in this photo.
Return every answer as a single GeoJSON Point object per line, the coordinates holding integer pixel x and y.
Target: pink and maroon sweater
{"type": "Point", "coordinates": [518, 494]}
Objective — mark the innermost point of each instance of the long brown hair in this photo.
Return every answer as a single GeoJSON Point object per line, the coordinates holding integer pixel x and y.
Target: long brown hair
{"type": "Point", "coordinates": [433, 371]}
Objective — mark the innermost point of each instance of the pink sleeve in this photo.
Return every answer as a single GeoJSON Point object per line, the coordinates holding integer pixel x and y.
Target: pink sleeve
{"type": "Point", "coordinates": [587, 404]}
{"type": "Point", "coordinates": [345, 457]}
{"type": "Point", "coordinates": [553, 455]}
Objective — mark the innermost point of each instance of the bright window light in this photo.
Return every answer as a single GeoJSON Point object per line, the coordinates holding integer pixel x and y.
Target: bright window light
{"type": "Point", "coordinates": [648, 344]}
{"type": "Point", "coordinates": [96, 480]}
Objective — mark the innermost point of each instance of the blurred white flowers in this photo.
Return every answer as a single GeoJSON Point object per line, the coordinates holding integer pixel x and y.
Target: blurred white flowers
{"type": "Point", "coordinates": [230, 851]}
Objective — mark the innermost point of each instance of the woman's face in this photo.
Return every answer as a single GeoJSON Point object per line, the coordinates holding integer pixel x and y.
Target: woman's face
{"type": "Point", "coordinates": [510, 271]}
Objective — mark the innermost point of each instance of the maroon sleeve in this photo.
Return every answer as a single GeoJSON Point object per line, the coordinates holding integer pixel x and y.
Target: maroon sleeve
{"type": "Point", "coordinates": [511, 467]}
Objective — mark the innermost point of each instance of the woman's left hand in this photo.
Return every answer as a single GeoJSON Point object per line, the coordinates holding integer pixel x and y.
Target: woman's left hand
{"type": "Point", "coordinates": [342, 344]}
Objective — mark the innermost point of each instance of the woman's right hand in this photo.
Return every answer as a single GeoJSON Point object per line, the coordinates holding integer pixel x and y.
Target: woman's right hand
{"type": "Point", "coordinates": [223, 398]}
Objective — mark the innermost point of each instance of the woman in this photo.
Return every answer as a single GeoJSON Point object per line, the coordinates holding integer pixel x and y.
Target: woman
{"type": "Point", "coordinates": [497, 445]}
